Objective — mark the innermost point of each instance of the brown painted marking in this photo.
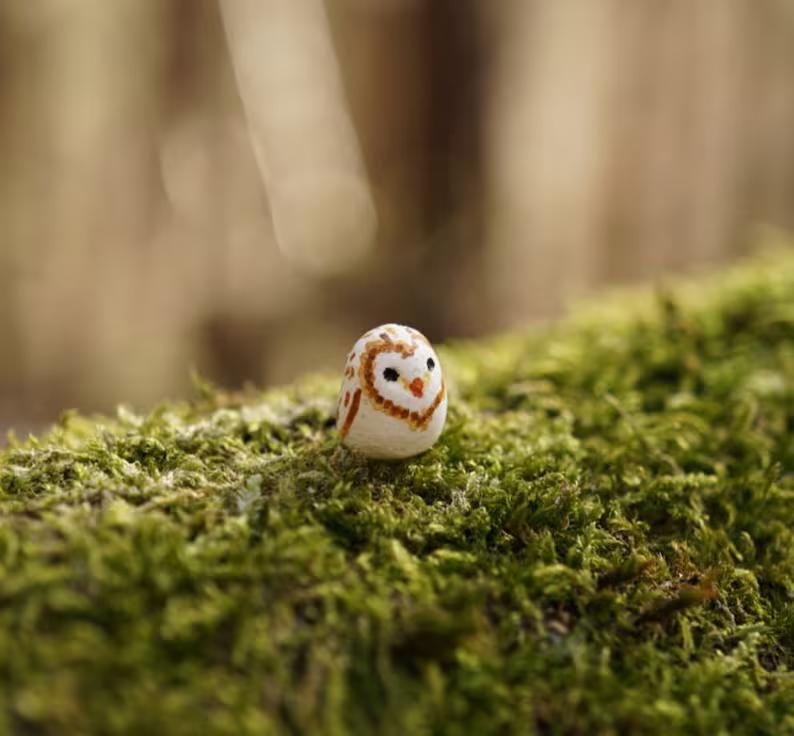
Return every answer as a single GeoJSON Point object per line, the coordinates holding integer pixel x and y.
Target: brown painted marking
{"type": "Point", "coordinates": [418, 335]}
{"type": "Point", "coordinates": [417, 420]}
{"type": "Point", "coordinates": [351, 415]}
{"type": "Point", "coordinates": [347, 398]}
{"type": "Point", "coordinates": [385, 337]}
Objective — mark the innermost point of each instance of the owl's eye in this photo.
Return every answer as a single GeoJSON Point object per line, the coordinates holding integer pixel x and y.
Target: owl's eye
{"type": "Point", "coordinates": [431, 364]}
{"type": "Point", "coordinates": [390, 374]}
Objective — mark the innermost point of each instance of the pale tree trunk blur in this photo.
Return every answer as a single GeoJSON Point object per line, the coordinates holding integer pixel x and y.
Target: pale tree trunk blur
{"type": "Point", "coordinates": [629, 140]}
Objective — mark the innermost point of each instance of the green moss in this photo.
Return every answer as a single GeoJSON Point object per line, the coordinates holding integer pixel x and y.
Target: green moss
{"type": "Point", "coordinates": [601, 542]}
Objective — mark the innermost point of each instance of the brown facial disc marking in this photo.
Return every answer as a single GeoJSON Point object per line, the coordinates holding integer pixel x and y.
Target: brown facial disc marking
{"type": "Point", "coordinates": [415, 419]}
{"type": "Point", "coordinates": [351, 415]}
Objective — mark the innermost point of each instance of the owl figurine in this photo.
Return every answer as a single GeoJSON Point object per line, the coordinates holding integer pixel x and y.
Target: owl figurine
{"type": "Point", "coordinates": [393, 401]}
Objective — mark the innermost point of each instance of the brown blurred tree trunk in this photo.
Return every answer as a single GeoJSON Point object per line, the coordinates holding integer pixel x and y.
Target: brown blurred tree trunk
{"type": "Point", "coordinates": [415, 74]}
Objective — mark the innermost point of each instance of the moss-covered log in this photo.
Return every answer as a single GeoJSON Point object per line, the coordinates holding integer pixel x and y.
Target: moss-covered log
{"type": "Point", "coordinates": [601, 542]}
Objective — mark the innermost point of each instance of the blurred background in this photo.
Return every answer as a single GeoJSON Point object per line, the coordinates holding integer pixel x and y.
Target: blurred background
{"type": "Point", "coordinates": [245, 186]}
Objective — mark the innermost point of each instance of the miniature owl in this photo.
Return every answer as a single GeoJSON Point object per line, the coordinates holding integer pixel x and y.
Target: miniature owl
{"type": "Point", "coordinates": [393, 401]}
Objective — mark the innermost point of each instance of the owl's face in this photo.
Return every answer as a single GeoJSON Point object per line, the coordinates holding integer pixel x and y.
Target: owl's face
{"type": "Point", "coordinates": [411, 380]}
{"type": "Point", "coordinates": [393, 397]}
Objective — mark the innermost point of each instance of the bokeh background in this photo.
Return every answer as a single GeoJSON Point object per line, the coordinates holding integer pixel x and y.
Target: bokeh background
{"type": "Point", "coordinates": [244, 186]}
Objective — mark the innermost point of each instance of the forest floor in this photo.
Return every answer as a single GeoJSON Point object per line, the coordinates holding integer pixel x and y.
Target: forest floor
{"type": "Point", "coordinates": [601, 542]}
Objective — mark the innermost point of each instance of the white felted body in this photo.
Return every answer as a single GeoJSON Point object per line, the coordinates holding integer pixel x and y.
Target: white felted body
{"type": "Point", "coordinates": [393, 401]}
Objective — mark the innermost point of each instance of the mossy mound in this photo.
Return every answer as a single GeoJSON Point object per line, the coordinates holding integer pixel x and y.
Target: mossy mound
{"type": "Point", "coordinates": [601, 542]}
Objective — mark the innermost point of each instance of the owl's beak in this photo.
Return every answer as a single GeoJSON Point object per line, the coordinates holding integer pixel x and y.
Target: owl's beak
{"type": "Point", "coordinates": [417, 387]}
